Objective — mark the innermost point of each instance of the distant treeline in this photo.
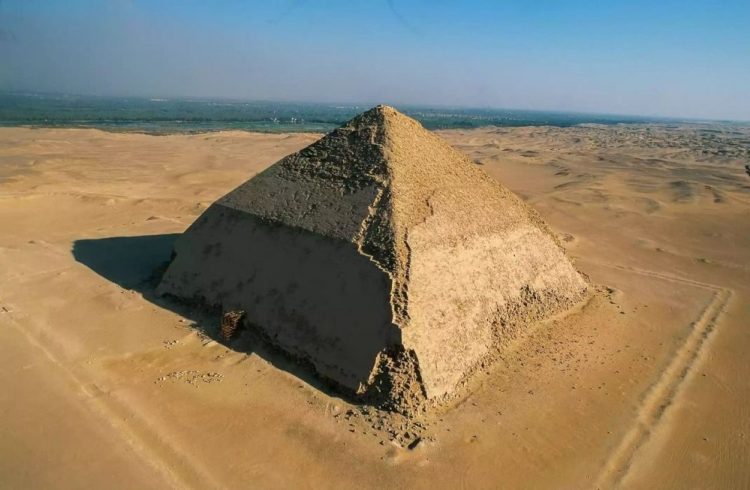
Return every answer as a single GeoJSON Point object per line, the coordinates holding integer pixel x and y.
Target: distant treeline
{"type": "Point", "coordinates": [196, 115]}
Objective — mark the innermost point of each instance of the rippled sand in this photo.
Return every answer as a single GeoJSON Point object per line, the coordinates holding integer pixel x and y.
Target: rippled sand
{"type": "Point", "coordinates": [106, 385]}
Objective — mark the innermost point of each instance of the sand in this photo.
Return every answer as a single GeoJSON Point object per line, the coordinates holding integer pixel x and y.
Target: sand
{"type": "Point", "coordinates": [645, 385]}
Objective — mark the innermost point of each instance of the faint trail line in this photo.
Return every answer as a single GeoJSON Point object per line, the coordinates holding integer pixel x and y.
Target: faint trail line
{"type": "Point", "coordinates": [660, 396]}
{"type": "Point", "coordinates": [178, 472]}
{"type": "Point", "coordinates": [659, 275]}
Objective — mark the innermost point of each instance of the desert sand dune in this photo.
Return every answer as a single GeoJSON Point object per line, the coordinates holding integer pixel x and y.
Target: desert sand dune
{"type": "Point", "coordinates": [108, 384]}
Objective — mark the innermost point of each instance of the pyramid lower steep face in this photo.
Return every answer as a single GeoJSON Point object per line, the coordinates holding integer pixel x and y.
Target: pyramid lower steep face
{"type": "Point", "coordinates": [470, 298]}
{"type": "Point", "coordinates": [323, 301]}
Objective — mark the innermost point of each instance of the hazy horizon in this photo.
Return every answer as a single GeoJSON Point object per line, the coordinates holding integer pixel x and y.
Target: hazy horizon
{"type": "Point", "coordinates": [362, 104]}
{"type": "Point", "coordinates": [683, 60]}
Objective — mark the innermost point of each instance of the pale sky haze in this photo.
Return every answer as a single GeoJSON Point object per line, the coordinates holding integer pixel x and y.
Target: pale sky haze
{"type": "Point", "coordinates": [667, 58]}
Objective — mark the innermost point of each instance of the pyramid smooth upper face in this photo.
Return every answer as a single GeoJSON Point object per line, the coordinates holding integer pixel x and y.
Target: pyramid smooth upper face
{"type": "Point", "coordinates": [380, 237]}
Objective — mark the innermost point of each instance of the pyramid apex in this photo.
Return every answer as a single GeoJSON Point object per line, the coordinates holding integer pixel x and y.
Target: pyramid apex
{"type": "Point", "coordinates": [380, 115]}
{"type": "Point", "coordinates": [383, 108]}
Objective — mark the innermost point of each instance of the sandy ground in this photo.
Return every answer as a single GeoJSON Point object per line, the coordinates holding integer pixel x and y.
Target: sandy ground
{"type": "Point", "coordinates": [106, 385]}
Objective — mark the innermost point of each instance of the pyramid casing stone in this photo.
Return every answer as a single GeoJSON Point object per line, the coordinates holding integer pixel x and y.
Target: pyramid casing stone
{"type": "Point", "coordinates": [379, 239]}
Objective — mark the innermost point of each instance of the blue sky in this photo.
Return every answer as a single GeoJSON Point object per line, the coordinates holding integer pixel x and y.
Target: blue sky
{"type": "Point", "coordinates": [687, 58]}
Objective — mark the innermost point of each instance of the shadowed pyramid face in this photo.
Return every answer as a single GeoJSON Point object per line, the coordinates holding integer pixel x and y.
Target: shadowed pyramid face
{"type": "Point", "coordinates": [381, 255]}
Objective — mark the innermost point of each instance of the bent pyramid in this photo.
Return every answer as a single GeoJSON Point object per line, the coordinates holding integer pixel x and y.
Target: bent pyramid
{"type": "Point", "coordinates": [379, 254]}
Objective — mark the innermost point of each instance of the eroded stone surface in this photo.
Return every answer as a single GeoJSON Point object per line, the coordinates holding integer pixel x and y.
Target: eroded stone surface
{"type": "Point", "coordinates": [378, 252]}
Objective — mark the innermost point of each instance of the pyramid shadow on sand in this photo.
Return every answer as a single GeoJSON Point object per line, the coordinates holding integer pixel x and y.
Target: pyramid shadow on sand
{"type": "Point", "coordinates": [136, 263]}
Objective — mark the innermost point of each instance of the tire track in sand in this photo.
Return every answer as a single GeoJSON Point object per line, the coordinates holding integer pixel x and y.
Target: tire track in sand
{"type": "Point", "coordinates": [177, 469]}
{"type": "Point", "coordinates": [660, 396]}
